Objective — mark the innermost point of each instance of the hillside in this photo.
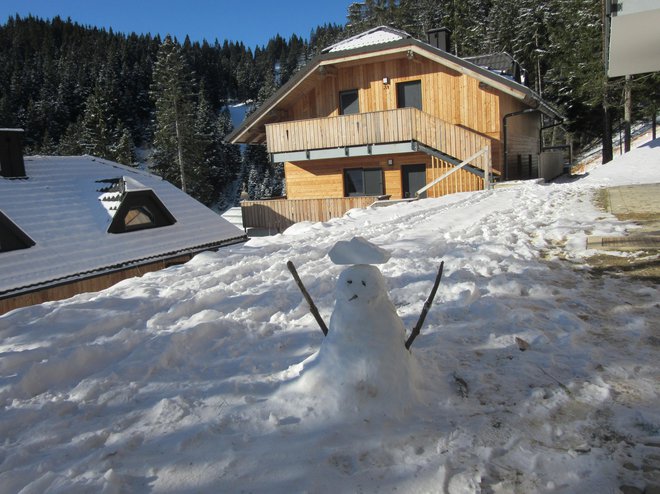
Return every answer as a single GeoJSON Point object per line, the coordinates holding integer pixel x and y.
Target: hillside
{"type": "Point", "coordinates": [180, 381]}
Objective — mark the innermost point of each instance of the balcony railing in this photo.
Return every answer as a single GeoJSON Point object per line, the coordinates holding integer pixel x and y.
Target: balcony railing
{"type": "Point", "coordinates": [383, 127]}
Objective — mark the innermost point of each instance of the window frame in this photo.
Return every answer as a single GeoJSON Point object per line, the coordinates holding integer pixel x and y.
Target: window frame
{"type": "Point", "coordinates": [364, 181]}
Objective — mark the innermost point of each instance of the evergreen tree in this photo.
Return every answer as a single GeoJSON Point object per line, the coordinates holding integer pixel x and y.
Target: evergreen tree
{"type": "Point", "coordinates": [229, 163]}
{"type": "Point", "coordinates": [258, 177]}
{"type": "Point", "coordinates": [124, 151]}
{"type": "Point", "coordinates": [205, 162]}
{"type": "Point", "coordinates": [172, 92]}
{"type": "Point", "coordinates": [96, 132]}
{"type": "Point", "coordinates": [69, 144]}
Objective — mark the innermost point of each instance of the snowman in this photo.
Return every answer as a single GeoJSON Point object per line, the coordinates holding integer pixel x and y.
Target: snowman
{"type": "Point", "coordinates": [363, 364]}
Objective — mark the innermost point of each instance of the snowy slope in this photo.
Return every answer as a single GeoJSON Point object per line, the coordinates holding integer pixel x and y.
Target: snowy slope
{"type": "Point", "coordinates": [180, 381]}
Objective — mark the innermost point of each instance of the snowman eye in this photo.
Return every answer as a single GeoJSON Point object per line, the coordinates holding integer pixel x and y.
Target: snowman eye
{"type": "Point", "coordinates": [349, 281]}
{"type": "Point", "coordinates": [364, 283]}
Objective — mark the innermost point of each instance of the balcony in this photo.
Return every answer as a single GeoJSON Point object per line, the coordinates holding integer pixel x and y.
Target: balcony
{"type": "Point", "coordinates": [365, 132]}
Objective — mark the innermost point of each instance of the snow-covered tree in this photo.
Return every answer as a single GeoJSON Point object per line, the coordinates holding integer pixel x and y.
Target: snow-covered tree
{"type": "Point", "coordinates": [172, 92]}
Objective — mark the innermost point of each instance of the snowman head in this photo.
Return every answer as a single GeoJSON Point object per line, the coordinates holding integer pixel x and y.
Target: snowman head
{"type": "Point", "coordinates": [360, 285]}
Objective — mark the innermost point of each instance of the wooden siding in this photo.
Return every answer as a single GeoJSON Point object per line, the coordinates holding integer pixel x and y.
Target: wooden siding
{"type": "Point", "coordinates": [303, 179]}
{"type": "Point", "coordinates": [279, 214]}
{"type": "Point", "coordinates": [324, 178]}
{"type": "Point", "coordinates": [91, 284]}
{"type": "Point", "coordinates": [391, 126]}
{"type": "Point", "coordinates": [446, 94]}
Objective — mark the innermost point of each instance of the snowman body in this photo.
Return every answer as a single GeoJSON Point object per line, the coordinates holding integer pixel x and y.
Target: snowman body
{"type": "Point", "coordinates": [363, 365]}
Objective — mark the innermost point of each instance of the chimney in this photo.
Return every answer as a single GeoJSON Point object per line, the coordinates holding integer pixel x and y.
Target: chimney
{"type": "Point", "coordinates": [440, 38]}
{"type": "Point", "coordinates": [11, 153]}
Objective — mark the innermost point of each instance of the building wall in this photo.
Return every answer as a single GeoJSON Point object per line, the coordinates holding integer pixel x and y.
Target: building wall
{"type": "Point", "coordinates": [325, 179]}
{"type": "Point", "coordinates": [446, 94]}
{"type": "Point", "coordinates": [523, 145]}
{"type": "Point", "coordinates": [91, 284]}
{"type": "Point", "coordinates": [453, 97]}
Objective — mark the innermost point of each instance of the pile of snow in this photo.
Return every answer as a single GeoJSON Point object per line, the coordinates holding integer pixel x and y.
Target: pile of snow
{"type": "Point", "coordinates": [214, 377]}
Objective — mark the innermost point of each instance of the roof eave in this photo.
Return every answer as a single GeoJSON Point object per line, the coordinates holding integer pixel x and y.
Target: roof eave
{"type": "Point", "coordinates": [122, 266]}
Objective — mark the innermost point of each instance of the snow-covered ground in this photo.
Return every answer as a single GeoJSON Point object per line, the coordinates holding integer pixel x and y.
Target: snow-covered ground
{"type": "Point", "coordinates": [192, 379]}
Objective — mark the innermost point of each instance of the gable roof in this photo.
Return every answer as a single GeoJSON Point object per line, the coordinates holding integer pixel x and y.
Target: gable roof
{"type": "Point", "coordinates": [66, 207]}
{"type": "Point", "coordinates": [402, 43]}
{"type": "Point", "coordinates": [376, 36]}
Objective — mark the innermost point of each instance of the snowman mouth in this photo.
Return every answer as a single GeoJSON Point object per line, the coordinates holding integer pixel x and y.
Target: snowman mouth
{"type": "Point", "coordinates": [352, 298]}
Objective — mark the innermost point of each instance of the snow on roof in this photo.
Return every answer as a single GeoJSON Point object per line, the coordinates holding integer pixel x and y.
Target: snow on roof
{"type": "Point", "coordinates": [375, 36]}
{"type": "Point", "coordinates": [60, 207]}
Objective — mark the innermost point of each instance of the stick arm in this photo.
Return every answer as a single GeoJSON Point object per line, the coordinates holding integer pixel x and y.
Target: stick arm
{"type": "Point", "coordinates": [427, 305]}
{"type": "Point", "coordinates": [308, 298]}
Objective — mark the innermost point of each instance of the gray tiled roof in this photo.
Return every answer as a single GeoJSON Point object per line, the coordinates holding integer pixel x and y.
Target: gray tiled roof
{"type": "Point", "coordinates": [59, 206]}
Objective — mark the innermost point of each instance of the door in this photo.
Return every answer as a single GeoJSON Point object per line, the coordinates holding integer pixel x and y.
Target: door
{"type": "Point", "coordinates": [413, 178]}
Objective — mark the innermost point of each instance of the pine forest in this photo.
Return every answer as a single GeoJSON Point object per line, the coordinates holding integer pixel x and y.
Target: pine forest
{"type": "Point", "coordinates": [76, 89]}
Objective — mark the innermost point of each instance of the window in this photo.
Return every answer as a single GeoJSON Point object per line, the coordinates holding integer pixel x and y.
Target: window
{"type": "Point", "coordinates": [363, 182]}
{"type": "Point", "coordinates": [139, 210]}
{"type": "Point", "coordinates": [409, 94]}
{"type": "Point", "coordinates": [139, 217]}
{"type": "Point", "coordinates": [11, 236]}
{"type": "Point", "coordinates": [348, 102]}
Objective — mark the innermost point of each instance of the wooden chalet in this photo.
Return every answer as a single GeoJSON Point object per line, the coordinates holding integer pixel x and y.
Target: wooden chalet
{"type": "Point", "coordinates": [384, 114]}
{"type": "Point", "coordinates": [72, 224]}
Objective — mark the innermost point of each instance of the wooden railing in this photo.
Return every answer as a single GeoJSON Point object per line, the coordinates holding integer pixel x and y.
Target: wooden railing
{"type": "Point", "coordinates": [390, 126]}
{"type": "Point", "coordinates": [279, 214]}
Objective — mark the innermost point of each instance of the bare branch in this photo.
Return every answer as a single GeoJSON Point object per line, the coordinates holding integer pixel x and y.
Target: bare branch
{"type": "Point", "coordinates": [310, 302]}
{"type": "Point", "coordinates": [427, 306]}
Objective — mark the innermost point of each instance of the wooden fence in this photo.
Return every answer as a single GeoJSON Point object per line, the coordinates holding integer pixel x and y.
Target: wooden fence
{"type": "Point", "coordinates": [279, 214]}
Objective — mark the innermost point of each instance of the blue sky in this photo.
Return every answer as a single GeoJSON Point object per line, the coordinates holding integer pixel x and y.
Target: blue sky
{"type": "Point", "coordinates": [252, 21]}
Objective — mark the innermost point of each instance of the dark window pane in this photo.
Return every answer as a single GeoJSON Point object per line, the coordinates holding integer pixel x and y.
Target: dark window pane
{"type": "Point", "coordinates": [354, 185]}
{"type": "Point", "coordinates": [373, 182]}
{"type": "Point", "coordinates": [348, 102]}
{"type": "Point", "coordinates": [409, 94]}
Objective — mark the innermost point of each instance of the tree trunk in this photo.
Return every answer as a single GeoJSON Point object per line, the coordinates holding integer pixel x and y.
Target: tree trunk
{"type": "Point", "coordinates": [608, 152]}
{"type": "Point", "coordinates": [627, 113]}
{"type": "Point", "coordinates": [179, 149]}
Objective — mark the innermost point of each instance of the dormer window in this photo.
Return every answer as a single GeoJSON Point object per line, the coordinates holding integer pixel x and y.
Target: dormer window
{"type": "Point", "coordinates": [11, 236]}
{"type": "Point", "coordinates": [134, 207]}
{"type": "Point", "coordinates": [348, 102]}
